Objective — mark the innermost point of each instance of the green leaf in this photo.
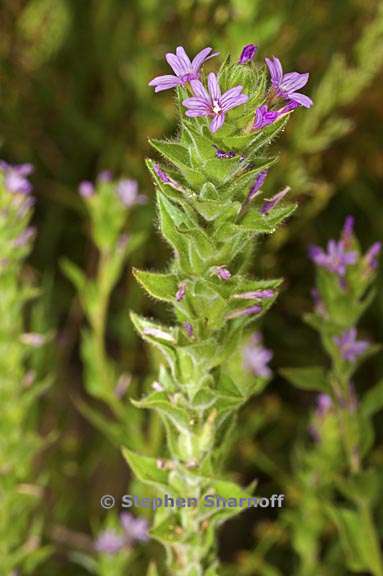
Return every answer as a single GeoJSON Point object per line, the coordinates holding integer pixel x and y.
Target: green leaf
{"type": "Point", "coordinates": [160, 401]}
{"type": "Point", "coordinates": [146, 469]}
{"type": "Point", "coordinates": [74, 274]}
{"type": "Point", "coordinates": [372, 401]}
{"type": "Point", "coordinates": [162, 337]}
{"type": "Point", "coordinates": [358, 538]}
{"type": "Point", "coordinates": [313, 378]}
{"type": "Point", "coordinates": [152, 570]}
{"type": "Point", "coordinates": [166, 533]}
{"type": "Point", "coordinates": [178, 155]}
{"type": "Point", "coordinates": [160, 286]}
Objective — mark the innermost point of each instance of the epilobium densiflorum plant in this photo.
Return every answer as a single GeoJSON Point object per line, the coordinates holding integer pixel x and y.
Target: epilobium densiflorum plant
{"type": "Point", "coordinates": [338, 466]}
{"type": "Point", "coordinates": [211, 207]}
{"type": "Point", "coordinates": [19, 388]}
{"type": "Point", "coordinates": [108, 205]}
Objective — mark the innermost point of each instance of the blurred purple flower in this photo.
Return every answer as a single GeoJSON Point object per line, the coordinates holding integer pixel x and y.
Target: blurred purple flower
{"type": "Point", "coordinates": [105, 176]}
{"type": "Point", "coordinates": [86, 189]}
{"type": "Point", "coordinates": [319, 306]}
{"type": "Point", "coordinates": [109, 542]}
{"type": "Point", "coordinates": [188, 329]}
{"type": "Point", "coordinates": [270, 203]}
{"type": "Point", "coordinates": [127, 190]}
{"type": "Point", "coordinates": [183, 68]}
{"type": "Point", "coordinates": [336, 259]}
{"type": "Point", "coordinates": [135, 529]}
{"type": "Point", "coordinates": [349, 347]}
{"type": "Point", "coordinates": [348, 229]}
{"type": "Point", "coordinates": [181, 291]}
{"type": "Point", "coordinates": [324, 404]}
{"type": "Point", "coordinates": [212, 103]}
{"type": "Point", "coordinates": [286, 85]}
{"type": "Point", "coordinates": [25, 236]}
{"type": "Point", "coordinates": [247, 54]}
{"type": "Point", "coordinates": [256, 357]}
{"type": "Point", "coordinates": [16, 177]}
{"type": "Point", "coordinates": [33, 339]}
{"type": "Point", "coordinates": [223, 273]}
{"type": "Point", "coordinates": [371, 257]}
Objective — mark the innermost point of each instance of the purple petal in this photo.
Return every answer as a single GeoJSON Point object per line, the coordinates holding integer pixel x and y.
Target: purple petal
{"type": "Point", "coordinates": [196, 103]}
{"type": "Point", "coordinates": [294, 81]}
{"type": "Point", "coordinates": [214, 89]}
{"type": "Point", "coordinates": [183, 58]}
{"type": "Point", "coordinates": [217, 122]}
{"type": "Point", "coordinates": [270, 203]}
{"type": "Point", "coordinates": [165, 82]}
{"type": "Point", "coordinates": [196, 113]}
{"type": "Point", "coordinates": [202, 57]}
{"type": "Point", "coordinates": [244, 312]}
{"type": "Point", "coordinates": [177, 65]}
{"type": "Point", "coordinates": [199, 90]}
{"type": "Point", "coordinates": [301, 99]}
{"type": "Point", "coordinates": [86, 189]}
{"type": "Point", "coordinates": [234, 102]}
{"type": "Point", "coordinates": [247, 54]}
{"type": "Point", "coordinates": [275, 68]}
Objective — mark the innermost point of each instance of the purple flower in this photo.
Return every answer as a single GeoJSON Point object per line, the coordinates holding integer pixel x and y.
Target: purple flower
{"type": "Point", "coordinates": [270, 203]}
{"type": "Point", "coordinates": [348, 229]}
{"type": "Point", "coordinates": [181, 291]}
{"type": "Point", "coordinates": [165, 178]}
{"type": "Point", "coordinates": [255, 295]}
{"type": "Point", "coordinates": [324, 404]}
{"type": "Point", "coordinates": [128, 192]}
{"type": "Point", "coordinates": [223, 273]}
{"type": "Point", "coordinates": [122, 385]}
{"type": "Point", "coordinates": [371, 257]}
{"type": "Point", "coordinates": [161, 174]}
{"type": "Point", "coordinates": [25, 236]}
{"type": "Point", "coordinates": [319, 306]}
{"type": "Point", "coordinates": [264, 117]}
{"type": "Point", "coordinates": [349, 347]}
{"type": "Point", "coordinates": [255, 309]}
{"type": "Point", "coordinates": [184, 69]}
{"type": "Point", "coordinates": [105, 176]}
{"type": "Point", "coordinates": [247, 54]}
{"type": "Point", "coordinates": [212, 103]}
{"type": "Point", "coordinates": [259, 180]}
{"type": "Point", "coordinates": [135, 529]}
{"type": "Point", "coordinates": [188, 329]}
{"type": "Point", "coordinates": [86, 189]}
{"type": "Point", "coordinates": [109, 542]}
{"type": "Point", "coordinates": [222, 154]}
{"type": "Point", "coordinates": [286, 85]}
{"type": "Point", "coordinates": [336, 259]}
{"type": "Point", "coordinates": [256, 357]}
{"type": "Point", "coordinates": [16, 177]}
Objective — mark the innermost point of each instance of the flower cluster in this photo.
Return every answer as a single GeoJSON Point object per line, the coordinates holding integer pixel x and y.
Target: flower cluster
{"type": "Point", "coordinates": [345, 275]}
{"type": "Point", "coordinates": [212, 103]}
{"type": "Point", "coordinates": [134, 530]}
{"type": "Point", "coordinates": [126, 188]}
{"type": "Point", "coordinates": [256, 357]}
